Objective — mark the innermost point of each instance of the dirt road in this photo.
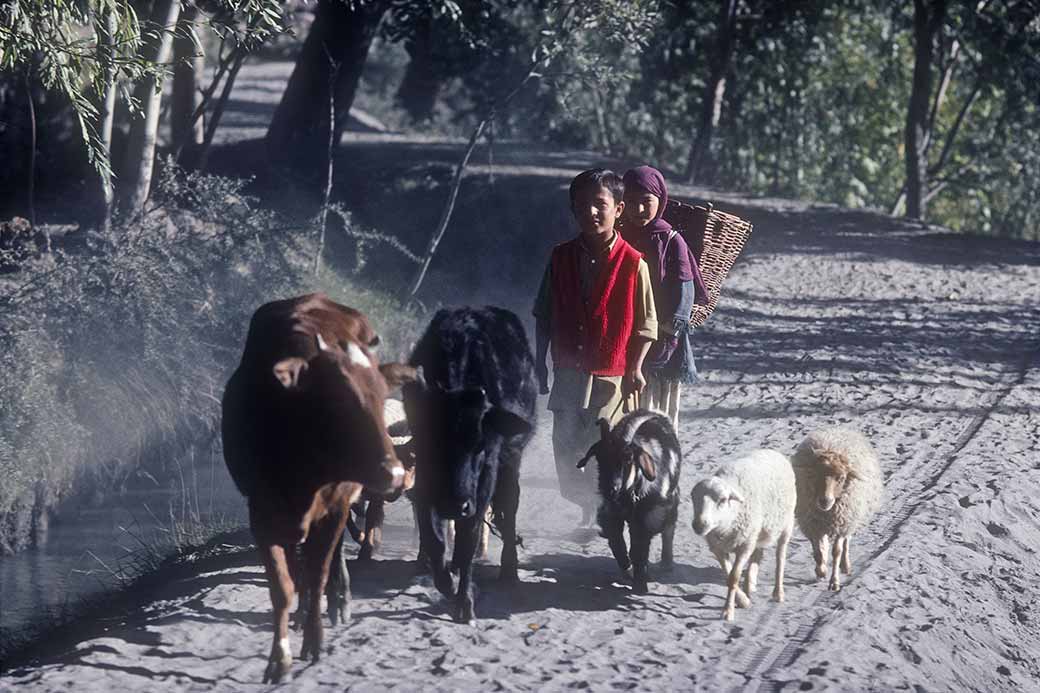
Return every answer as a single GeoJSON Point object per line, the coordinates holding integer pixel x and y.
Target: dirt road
{"type": "Point", "coordinates": [925, 341]}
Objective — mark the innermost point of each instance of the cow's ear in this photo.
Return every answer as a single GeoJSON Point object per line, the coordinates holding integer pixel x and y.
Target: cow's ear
{"type": "Point", "coordinates": [506, 422]}
{"type": "Point", "coordinates": [399, 374]}
{"type": "Point", "coordinates": [646, 465]}
{"type": "Point", "coordinates": [287, 371]}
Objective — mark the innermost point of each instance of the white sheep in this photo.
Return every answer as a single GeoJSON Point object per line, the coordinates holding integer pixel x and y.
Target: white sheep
{"type": "Point", "coordinates": [747, 506]}
{"type": "Point", "coordinates": [839, 489]}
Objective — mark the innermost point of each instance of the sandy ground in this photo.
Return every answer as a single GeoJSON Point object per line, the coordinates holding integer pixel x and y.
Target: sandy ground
{"type": "Point", "coordinates": [925, 341]}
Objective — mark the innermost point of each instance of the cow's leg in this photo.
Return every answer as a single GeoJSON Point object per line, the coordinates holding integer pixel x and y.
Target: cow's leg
{"type": "Point", "coordinates": [467, 536]}
{"type": "Point", "coordinates": [505, 506]}
{"type": "Point", "coordinates": [337, 591]}
{"type": "Point", "coordinates": [356, 533]}
{"type": "Point", "coordinates": [280, 584]}
{"type": "Point", "coordinates": [485, 535]}
{"type": "Point", "coordinates": [613, 528]}
{"type": "Point", "coordinates": [374, 516]}
{"type": "Point", "coordinates": [640, 557]}
{"type": "Point", "coordinates": [431, 545]}
{"type": "Point", "coordinates": [318, 552]}
{"type": "Point", "coordinates": [298, 571]}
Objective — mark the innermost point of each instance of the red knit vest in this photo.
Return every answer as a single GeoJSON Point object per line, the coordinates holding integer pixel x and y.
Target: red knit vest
{"type": "Point", "coordinates": [592, 335]}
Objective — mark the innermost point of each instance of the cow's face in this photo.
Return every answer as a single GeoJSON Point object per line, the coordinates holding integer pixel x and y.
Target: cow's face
{"type": "Point", "coordinates": [345, 374]}
{"type": "Point", "coordinates": [454, 434]}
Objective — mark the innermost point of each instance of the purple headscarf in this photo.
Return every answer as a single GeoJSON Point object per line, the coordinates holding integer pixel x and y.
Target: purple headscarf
{"type": "Point", "coordinates": [650, 179]}
{"type": "Point", "coordinates": [653, 239]}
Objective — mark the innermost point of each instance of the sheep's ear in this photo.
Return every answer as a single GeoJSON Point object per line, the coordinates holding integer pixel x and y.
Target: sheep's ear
{"type": "Point", "coordinates": [734, 495]}
{"type": "Point", "coordinates": [588, 456]}
{"type": "Point", "coordinates": [853, 474]}
{"type": "Point", "coordinates": [604, 428]}
{"type": "Point", "coordinates": [646, 465]}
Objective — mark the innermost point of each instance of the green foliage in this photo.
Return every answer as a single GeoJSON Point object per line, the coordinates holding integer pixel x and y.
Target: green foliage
{"type": "Point", "coordinates": [116, 358]}
{"type": "Point", "coordinates": [61, 44]}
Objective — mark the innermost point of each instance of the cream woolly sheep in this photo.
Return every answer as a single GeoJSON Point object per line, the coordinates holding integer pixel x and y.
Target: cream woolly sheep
{"type": "Point", "coordinates": [747, 506]}
{"type": "Point", "coordinates": [839, 489]}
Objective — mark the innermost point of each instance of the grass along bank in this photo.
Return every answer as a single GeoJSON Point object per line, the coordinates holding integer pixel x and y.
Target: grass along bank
{"type": "Point", "coordinates": [116, 348]}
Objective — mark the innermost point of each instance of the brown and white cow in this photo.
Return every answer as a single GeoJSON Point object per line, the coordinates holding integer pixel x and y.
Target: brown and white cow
{"type": "Point", "coordinates": [303, 433]}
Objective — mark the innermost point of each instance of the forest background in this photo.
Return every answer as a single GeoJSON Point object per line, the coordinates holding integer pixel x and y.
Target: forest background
{"type": "Point", "coordinates": [110, 116]}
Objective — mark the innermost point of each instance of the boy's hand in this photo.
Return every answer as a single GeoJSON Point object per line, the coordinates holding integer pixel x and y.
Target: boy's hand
{"type": "Point", "coordinates": [542, 371]}
{"type": "Point", "coordinates": [634, 381]}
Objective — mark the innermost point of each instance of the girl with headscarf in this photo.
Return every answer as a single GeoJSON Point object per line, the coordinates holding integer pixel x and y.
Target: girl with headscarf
{"type": "Point", "coordinates": [677, 285]}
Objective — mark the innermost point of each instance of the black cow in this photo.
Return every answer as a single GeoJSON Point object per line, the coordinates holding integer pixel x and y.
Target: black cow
{"type": "Point", "coordinates": [470, 421]}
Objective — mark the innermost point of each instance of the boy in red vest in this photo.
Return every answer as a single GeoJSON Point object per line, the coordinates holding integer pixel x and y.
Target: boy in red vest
{"type": "Point", "coordinates": [596, 310]}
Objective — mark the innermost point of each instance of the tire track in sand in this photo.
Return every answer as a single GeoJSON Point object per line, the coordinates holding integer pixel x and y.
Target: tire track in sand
{"type": "Point", "coordinates": [766, 663]}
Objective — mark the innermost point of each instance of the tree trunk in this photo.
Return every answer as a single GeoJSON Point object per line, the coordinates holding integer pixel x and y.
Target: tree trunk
{"type": "Point", "coordinates": [186, 130]}
{"type": "Point", "coordinates": [340, 35]}
{"type": "Point", "coordinates": [421, 84]}
{"type": "Point", "coordinates": [928, 20]}
{"type": "Point", "coordinates": [714, 90]}
{"type": "Point", "coordinates": [99, 212]}
{"type": "Point", "coordinates": [140, 155]}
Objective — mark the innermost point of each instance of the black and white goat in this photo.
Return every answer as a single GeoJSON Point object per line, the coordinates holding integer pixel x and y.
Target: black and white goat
{"type": "Point", "coordinates": [639, 465]}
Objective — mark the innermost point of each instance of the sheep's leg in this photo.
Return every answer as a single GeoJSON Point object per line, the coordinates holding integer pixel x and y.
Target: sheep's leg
{"type": "Point", "coordinates": [781, 559]}
{"type": "Point", "coordinates": [375, 514]}
{"type": "Point", "coordinates": [723, 558]}
{"type": "Point", "coordinates": [819, 551]}
{"type": "Point", "coordinates": [836, 551]}
{"type": "Point", "coordinates": [751, 578]}
{"type": "Point", "coordinates": [640, 558]}
{"type": "Point", "coordinates": [846, 560]}
{"type": "Point", "coordinates": [733, 584]}
{"type": "Point", "coordinates": [280, 584]}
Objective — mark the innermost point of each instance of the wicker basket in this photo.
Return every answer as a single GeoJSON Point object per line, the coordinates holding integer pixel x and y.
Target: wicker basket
{"type": "Point", "coordinates": [716, 239]}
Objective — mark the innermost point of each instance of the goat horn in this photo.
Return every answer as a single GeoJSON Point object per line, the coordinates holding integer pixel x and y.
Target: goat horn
{"type": "Point", "coordinates": [634, 424]}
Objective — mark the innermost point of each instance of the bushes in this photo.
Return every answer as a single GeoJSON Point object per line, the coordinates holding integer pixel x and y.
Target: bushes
{"type": "Point", "coordinates": [115, 354]}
